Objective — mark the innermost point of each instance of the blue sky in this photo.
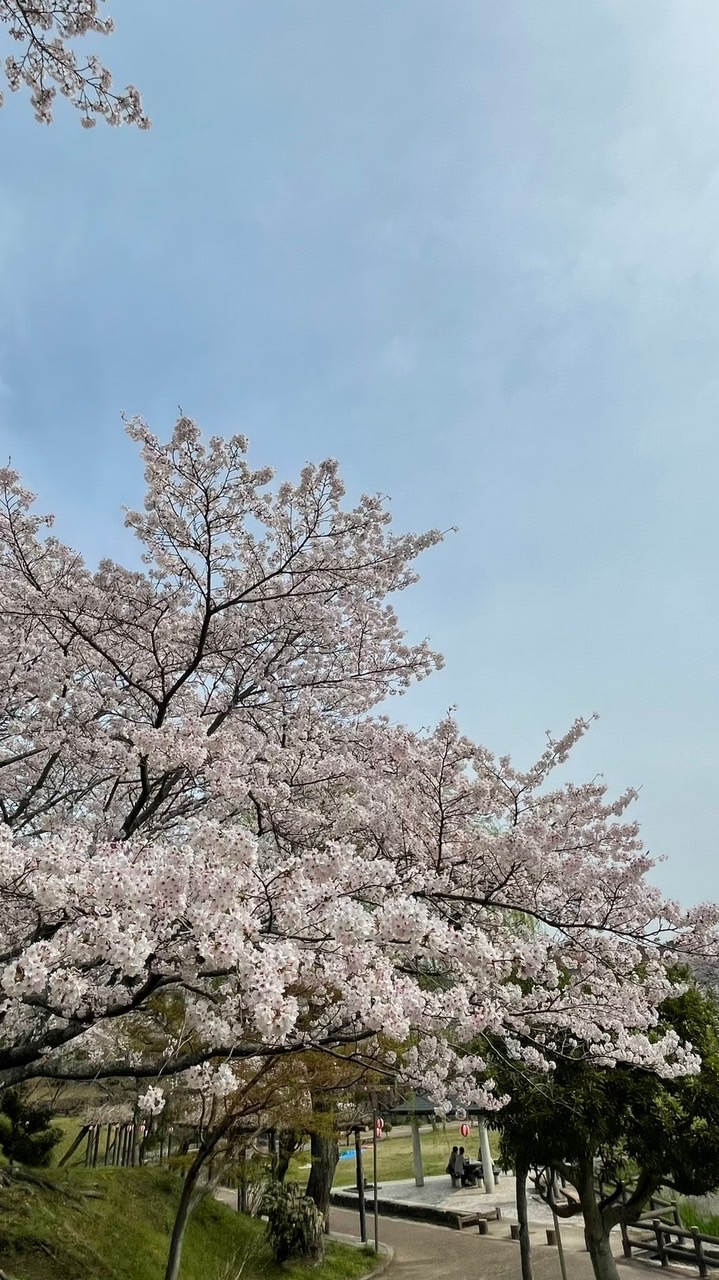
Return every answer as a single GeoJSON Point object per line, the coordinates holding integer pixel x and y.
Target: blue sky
{"type": "Point", "coordinates": [468, 248]}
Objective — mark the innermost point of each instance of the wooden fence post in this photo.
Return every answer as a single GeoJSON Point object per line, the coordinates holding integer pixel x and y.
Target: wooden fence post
{"type": "Point", "coordinates": [699, 1250]}
{"type": "Point", "coordinates": [662, 1249]}
{"type": "Point", "coordinates": [135, 1149]}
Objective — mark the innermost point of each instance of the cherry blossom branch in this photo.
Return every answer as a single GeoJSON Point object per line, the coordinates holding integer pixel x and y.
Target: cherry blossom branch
{"type": "Point", "coordinates": [47, 64]}
{"type": "Point", "coordinates": [170, 1066]}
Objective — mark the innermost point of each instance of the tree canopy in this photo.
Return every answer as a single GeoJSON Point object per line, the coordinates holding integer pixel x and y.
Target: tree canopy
{"type": "Point", "coordinates": [210, 827]}
{"type": "Point", "coordinates": [619, 1134]}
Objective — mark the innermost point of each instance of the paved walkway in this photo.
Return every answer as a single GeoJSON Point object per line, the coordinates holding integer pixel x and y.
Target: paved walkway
{"type": "Point", "coordinates": [424, 1252]}
{"type": "Point", "coordinates": [438, 1253]}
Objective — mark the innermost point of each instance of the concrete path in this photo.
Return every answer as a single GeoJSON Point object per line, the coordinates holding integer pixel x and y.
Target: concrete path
{"type": "Point", "coordinates": [423, 1252]}
{"type": "Point", "coordinates": [439, 1193]}
{"type": "Point", "coordinates": [438, 1253]}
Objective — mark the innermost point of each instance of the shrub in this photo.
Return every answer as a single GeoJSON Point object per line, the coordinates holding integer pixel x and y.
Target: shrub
{"type": "Point", "coordinates": [294, 1223]}
{"type": "Point", "coordinates": [26, 1134]}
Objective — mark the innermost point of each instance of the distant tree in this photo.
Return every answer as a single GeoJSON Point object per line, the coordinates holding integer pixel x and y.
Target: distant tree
{"type": "Point", "coordinates": [27, 1135]}
{"type": "Point", "coordinates": [45, 61]}
{"type": "Point", "coordinates": [618, 1133]}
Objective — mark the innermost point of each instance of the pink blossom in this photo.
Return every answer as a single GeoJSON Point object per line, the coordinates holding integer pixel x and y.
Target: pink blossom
{"type": "Point", "coordinates": [201, 799]}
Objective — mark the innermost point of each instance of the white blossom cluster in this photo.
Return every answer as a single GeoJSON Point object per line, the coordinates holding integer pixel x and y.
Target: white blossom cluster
{"type": "Point", "coordinates": [47, 62]}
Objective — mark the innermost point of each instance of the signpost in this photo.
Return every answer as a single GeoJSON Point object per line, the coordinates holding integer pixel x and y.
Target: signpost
{"type": "Point", "coordinates": [360, 1187]}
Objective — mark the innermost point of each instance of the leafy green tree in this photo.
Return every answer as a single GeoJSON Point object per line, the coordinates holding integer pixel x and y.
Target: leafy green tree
{"type": "Point", "coordinates": [617, 1134]}
{"type": "Point", "coordinates": [27, 1135]}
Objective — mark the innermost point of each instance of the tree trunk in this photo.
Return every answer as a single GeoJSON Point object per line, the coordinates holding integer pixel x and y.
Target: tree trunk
{"type": "Point", "coordinates": [190, 1194]}
{"type": "Point", "coordinates": [182, 1218]}
{"type": "Point", "coordinates": [525, 1252]}
{"type": "Point", "coordinates": [288, 1141]}
{"type": "Point", "coordinates": [242, 1197]}
{"type": "Point", "coordinates": [325, 1154]}
{"type": "Point", "coordinates": [595, 1229]}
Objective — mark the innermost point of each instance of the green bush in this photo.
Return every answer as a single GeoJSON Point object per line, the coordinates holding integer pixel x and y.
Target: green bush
{"type": "Point", "coordinates": [294, 1223]}
{"type": "Point", "coordinates": [26, 1134]}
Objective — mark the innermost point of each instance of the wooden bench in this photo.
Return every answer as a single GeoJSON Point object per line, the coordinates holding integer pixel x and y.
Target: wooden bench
{"type": "Point", "coordinates": [474, 1219]}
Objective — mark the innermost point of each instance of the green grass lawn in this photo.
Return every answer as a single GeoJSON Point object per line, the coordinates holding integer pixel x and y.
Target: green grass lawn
{"type": "Point", "coordinates": [123, 1233]}
{"type": "Point", "coordinates": [394, 1156]}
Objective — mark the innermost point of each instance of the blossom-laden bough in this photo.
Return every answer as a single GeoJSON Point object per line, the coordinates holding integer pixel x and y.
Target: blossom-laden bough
{"type": "Point", "coordinates": [216, 847]}
{"type": "Point", "coordinates": [46, 61]}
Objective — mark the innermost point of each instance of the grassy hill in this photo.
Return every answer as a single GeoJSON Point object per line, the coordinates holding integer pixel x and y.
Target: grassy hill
{"type": "Point", "coordinates": [121, 1230]}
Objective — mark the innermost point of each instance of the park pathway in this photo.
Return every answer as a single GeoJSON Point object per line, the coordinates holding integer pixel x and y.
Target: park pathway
{"type": "Point", "coordinates": [439, 1253]}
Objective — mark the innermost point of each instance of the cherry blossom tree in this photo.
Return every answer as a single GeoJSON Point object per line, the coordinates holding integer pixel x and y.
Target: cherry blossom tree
{"type": "Point", "coordinates": [212, 835]}
{"type": "Point", "coordinates": [45, 61]}
{"type": "Point", "coordinates": [134, 700]}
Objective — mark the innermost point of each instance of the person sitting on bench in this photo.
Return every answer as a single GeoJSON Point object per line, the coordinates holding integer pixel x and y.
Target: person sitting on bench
{"type": "Point", "coordinates": [455, 1167]}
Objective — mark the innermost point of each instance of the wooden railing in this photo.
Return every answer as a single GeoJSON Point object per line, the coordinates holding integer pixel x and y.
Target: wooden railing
{"type": "Point", "coordinates": [658, 1234]}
